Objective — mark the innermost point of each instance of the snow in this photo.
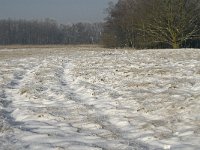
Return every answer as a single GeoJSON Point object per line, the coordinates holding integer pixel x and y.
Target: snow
{"type": "Point", "coordinates": [95, 98]}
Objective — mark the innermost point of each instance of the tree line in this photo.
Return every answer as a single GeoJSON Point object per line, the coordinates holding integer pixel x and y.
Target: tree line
{"type": "Point", "coordinates": [153, 24]}
{"type": "Point", "coordinates": [48, 32]}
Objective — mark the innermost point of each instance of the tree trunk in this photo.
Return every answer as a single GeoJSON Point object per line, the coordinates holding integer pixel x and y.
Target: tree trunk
{"type": "Point", "coordinates": [175, 44]}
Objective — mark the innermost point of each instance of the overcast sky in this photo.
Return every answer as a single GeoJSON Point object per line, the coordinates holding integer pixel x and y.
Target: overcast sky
{"type": "Point", "coordinates": [63, 11]}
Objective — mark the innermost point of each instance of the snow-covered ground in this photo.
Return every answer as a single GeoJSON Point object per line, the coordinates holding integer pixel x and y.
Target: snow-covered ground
{"type": "Point", "coordinates": [98, 99]}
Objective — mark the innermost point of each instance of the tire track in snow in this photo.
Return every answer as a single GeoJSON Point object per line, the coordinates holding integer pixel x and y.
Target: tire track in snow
{"type": "Point", "coordinates": [9, 124]}
{"type": "Point", "coordinates": [97, 116]}
{"type": "Point", "coordinates": [59, 116]}
{"type": "Point", "coordinates": [24, 111]}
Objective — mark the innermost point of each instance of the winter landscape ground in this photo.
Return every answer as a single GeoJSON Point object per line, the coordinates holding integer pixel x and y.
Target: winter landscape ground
{"type": "Point", "coordinates": [87, 98]}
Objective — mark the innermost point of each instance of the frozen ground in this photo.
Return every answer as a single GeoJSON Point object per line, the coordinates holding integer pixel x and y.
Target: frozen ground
{"type": "Point", "coordinates": [97, 99]}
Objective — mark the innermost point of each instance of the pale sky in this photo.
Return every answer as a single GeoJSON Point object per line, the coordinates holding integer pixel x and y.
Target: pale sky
{"type": "Point", "coordinates": [63, 11]}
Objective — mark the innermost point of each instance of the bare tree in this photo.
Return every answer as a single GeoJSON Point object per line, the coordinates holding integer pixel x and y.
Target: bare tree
{"type": "Point", "coordinates": [152, 23]}
{"type": "Point", "coordinates": [48, 32]}
{"type": "Point", "coordinates": [119, 28]}
{"type": "Point", "coordinates": [172, 21]}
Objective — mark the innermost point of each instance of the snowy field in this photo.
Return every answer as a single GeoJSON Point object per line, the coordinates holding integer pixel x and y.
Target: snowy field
{"type": "Point", "coordinates": [96, 99]}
